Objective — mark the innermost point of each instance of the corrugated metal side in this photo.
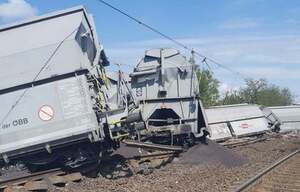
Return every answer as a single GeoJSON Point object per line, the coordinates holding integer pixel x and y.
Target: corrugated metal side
{"type": "Point", "coordinates": [220, 132]}
{"type": "Point", "coordinates": [286, 127]}
{"type": "Point", "coordinates": [177, 74]}
{"type": "Point", "coordinates": [27, 47]}
{"type": "Point", "coordinates": [249, 127]}
{"type": "Point", "coordinates": [289, 117]}
{"type": "Point", "coordinates": [225, 113]}
{"type": "Point", "coordinates": [164, 79]}
{"type": "Point", "coordinates": [244, 120]}
{"type": "Point", "coordinates": [52, 111]}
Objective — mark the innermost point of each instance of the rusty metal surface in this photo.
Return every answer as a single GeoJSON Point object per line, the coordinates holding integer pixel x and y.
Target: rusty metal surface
{"type": "Point", "coordinates": [73, 177]}
{"type": "Point", "coordinates": [36, 186]}
{"type": "Point", "coordinates": [15, 189]}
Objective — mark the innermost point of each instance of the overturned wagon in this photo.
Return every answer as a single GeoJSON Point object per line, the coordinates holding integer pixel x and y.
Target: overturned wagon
{"type": "Point", "coordinates": [166, 89]}
{"type": "Point", "coordinates": [283, 118]}
{"type": "Point", "coordinates": [238, 120]}
{"type": "Point", "coordinates": [52, 90]}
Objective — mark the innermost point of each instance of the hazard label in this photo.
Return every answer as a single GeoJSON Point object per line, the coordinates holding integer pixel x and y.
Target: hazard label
{"type": "Point", "coordinates": [46, 113]}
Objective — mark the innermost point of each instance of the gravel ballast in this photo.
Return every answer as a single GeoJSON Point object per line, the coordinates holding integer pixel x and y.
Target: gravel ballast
{"type": "Point", "coordinates": [228, 168]}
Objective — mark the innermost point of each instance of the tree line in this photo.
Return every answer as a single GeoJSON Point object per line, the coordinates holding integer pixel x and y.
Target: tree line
{"type": "Point", "coordinates": [254, 92]}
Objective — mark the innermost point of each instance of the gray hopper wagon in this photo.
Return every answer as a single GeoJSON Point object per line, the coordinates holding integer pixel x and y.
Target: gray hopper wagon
{"type": "Point", "coordinates": [52, 89]}
{"type": "Point", "coordinates": [166, 89]}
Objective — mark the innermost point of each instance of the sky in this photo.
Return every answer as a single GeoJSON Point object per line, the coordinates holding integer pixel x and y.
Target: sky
{"type": "Point", "coordinates": [257, 38]}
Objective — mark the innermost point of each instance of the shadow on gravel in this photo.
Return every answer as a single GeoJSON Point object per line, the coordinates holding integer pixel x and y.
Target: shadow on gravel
{"type": "Point", "coordinates": [115, 167]}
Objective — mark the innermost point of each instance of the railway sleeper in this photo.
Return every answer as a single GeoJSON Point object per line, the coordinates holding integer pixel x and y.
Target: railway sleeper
{"type": "Point", "coordinates": [56, 180]}
{"type": "Point", "coordinates": [73, 177]}
{"type": "Point", "coordinates": [44, 183]}
{"type": "Point", "coordinates": [15, 189]}
{"type": "Point", "coordinates": [36, 186]}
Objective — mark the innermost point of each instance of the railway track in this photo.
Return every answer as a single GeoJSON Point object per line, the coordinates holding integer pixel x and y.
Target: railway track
{"type": "Point", "coordinates": [242, 142]}
{"type": "Point", "coordinates": [53, 178]}
{"type": "Point", "coordinates": [282, 176]}
{"type": "Point", "coordinates": [39, 181]}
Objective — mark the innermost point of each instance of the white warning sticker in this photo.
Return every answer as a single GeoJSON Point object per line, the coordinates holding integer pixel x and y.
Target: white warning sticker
{"type": "Point", "coordinates": [46, 113]}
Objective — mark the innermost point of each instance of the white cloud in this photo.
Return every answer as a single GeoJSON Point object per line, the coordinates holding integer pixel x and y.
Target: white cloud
{"type": "Point", "coordinates": [14, 10]}
{"type": "Point", "coordinates": [275, 57]}
{"type": "Point", "coordinates": [244, 23]}
{"type": "Point", "coordinates": [239, 52]}
{"type": "Point", "coordinates": [276, 50]}
{"type": "Point", "coordinates": [127, 57]}
{"type": "Point", "coordinates": [280, 73]}
{"type": "Point", "coordinates": [225, 87]}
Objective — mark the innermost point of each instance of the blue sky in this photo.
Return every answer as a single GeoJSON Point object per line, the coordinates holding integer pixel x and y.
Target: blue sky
{"type": "Point", "coordinates": [259, 38]}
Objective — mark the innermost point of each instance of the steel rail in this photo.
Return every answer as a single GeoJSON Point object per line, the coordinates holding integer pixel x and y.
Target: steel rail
{"type": "Point", "coordinates": [153, 155]}
{"type": "Point", "coordinates": [251, 182]}
{"type": "Point", "coordinates": [243, 142]}
{"type": "Point", "coordinates": [133, 143]}
{"type": "Point", "coordinates": [33, 176]}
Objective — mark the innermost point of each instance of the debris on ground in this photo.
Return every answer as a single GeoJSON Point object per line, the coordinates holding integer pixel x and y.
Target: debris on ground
{"type": "Point", "coordinates": [212, 177]}
{"type": "Point", "coordinates": [211, 153]}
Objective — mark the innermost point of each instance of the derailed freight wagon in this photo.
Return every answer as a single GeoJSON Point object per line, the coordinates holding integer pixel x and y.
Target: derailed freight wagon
{"type": "Point", "coordinates": [240, 120]}
{"type": "Point", "coordinates": [52, 90]}
{"type": "Point", "coordinates": [287, 118]}
{"type": "Point", "coordinates": [166, 90]}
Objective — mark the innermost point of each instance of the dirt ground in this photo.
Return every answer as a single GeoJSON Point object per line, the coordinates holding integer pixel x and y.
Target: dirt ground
{"type": "Point", "coordinates": [216, 168]}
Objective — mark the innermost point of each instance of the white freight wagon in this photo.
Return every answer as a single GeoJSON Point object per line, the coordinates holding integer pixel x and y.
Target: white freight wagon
{"type": "Point", "coordinates": [289, 117]}
{"type": "Point", "coordinates": [235, 121]}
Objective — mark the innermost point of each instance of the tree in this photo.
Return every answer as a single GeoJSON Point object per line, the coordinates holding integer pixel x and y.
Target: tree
{"type": "Point", "coordinates": [231, 97]}
{"type": "Point", "coordinates": [252, 89]}
{"type": "Point", "coordinates": [274, 95]}
{"type": "Point", "coordinates": [208, 87]}
{"type": "Point", "coordinates": [260, 92]}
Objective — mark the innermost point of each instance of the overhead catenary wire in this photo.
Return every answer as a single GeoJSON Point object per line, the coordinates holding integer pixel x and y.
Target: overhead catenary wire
{"type": "Point", "coordinates": [227, 68]}
{"type": "Point", "coordinates": [204, 58]}
{"type": "Point", "coordinates": [17, 102]}
{"type": "Point", "coordinates": [119, 64]}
